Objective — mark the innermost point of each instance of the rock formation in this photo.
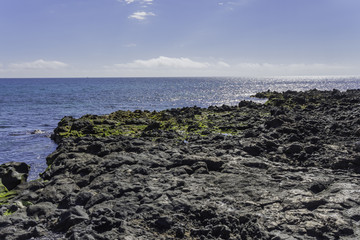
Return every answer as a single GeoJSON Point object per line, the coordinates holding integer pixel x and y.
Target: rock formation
{"type": "Point", "coordinates": [286, 169]}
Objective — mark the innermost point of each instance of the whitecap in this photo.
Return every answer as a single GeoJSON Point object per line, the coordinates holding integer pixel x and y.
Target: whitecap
{"type": "Point", "coordinates": [37, 131]}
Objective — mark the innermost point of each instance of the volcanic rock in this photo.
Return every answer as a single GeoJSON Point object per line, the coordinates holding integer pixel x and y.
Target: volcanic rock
{"type": "Point", "coordinates": [286, 169]}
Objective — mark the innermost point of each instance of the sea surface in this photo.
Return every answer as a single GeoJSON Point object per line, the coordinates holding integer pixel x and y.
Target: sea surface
{"type": "Point", "coordinates": [31, 108]}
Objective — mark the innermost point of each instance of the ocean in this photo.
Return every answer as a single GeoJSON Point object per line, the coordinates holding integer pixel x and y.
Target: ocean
{"type": "Point", "coordinates": [31, 108]}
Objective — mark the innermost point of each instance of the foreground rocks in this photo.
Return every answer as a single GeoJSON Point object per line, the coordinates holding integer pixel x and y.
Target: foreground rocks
{"type": "Point", "coordinates": [12, 174]}
{"type": "Point", "coordinates": [286, 169]}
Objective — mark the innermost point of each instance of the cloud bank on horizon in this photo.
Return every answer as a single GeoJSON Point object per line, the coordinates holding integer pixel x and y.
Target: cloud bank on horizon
{"type": "Point", "coordinates": [129, 38]}
{"type": "Point", "coordinates": [38, 64]}
{"type": "Point", "coordinates": [166, 66]}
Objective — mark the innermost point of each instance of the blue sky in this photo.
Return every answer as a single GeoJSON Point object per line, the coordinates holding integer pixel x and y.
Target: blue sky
{"type": "Point", "coordinates": [121, 38]}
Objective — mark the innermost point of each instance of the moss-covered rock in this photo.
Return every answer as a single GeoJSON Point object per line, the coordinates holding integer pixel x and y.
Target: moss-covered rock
{"type": "Point", "coordinates": [11, 175]}
{"type": "Point", "coordinates": [5, 194]}
{"type": "Point", "coordinates": [181, 122]}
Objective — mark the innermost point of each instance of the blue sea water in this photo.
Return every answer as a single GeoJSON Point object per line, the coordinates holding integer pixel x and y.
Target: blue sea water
{"type": "Point", "coordinates": [31, 108]}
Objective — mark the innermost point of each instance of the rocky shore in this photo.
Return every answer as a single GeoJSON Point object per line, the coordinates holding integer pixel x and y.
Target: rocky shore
{"type": "Point", "coordinates": [286, 169]}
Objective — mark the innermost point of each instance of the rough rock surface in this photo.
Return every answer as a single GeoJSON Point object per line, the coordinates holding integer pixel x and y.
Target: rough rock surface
{"type": "Point", "coordinates": [12, 174]}
{"type": "Point", "coordinates": [286, 169]}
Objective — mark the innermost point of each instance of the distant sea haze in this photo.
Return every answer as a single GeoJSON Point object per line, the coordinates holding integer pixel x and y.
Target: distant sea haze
{"type": "Point", "coordinates": [31, 108]}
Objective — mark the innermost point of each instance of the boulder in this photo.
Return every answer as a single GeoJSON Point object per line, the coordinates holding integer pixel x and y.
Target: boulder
{"type": "Point", "coordinates": [13, 173]}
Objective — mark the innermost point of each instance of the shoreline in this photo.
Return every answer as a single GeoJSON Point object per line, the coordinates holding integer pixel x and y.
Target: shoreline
{"type": "Point", "coordinates": [286, 168]}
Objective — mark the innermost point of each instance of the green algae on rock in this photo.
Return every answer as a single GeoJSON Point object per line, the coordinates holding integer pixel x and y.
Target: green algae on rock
{"type": "Point", "coordinates": [11, 175]}
{"type": "Point", "coordinates": [178, 123]}
{"type": "Point", "coordinates": [5, 194]}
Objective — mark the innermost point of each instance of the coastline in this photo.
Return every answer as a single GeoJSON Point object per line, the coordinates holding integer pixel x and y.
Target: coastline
{"type": "Point", "coordinates": [286, 168]}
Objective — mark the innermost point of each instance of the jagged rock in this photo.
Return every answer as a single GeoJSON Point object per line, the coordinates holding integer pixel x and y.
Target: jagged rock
{"type": "Point", "coordinates": [274, 123]}
{"type": "Point", "coordinates": [286, 169]}
{"type": "Point", "coordinates": [13, 173]}
{"type": "Point", "coordinates": [71, 217]}
{"type": "Point", "coordinates": [293, 148]}
{"type": "Point", "coordinates": [357, 146]}
{"type": "Point", "coordinates": [42, 209]}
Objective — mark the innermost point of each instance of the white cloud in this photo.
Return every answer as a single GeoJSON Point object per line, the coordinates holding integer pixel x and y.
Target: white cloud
{"type": "Point", "coordinates": [38, 64]}
{"type": "Point", "coordinates": [168, 67]}
{"type": "Point", "coordinates": [126, 1]}
{"type": "Point", "coordinates": [147, 2]}
{"type": "Point", "coordinates": [223, 64]}
{"type": "Point", "coordinates": [130, 45]}
{"type": "Point", "coordinates": [164, 62]}
{"type": "Point", "coordinates": [141, 2]}
{"type": "Point", "coordinates": [230, 5]}
{"type": "Point", "coordinates": [141, 15]}
{"type": "Point", "coordinates": [182, 66]}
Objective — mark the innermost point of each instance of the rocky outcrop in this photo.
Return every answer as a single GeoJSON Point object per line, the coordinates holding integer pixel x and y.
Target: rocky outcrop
{"type": "Point", "coordinates": [286, 169]}
{"type": "Point", "coordinates": [12, 174]}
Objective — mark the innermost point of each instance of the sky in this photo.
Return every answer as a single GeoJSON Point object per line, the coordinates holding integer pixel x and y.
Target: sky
{"type": "Point", "coordinates": [169, 38]}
